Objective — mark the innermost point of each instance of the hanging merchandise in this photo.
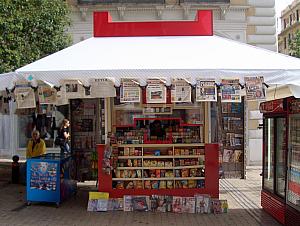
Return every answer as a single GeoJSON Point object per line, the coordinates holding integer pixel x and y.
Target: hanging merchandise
{"type": "Point", "coordinates": [4, 102]}
{"type": "Point", "coordinates": [72, 88]}
{"type": "Point", "coordinates": [61, 98]}
{"type": "Point", "coordinates": [181, 91]}
{"type": "Point", "coordinates": [206, 90]}
{"type": "Point", "coordinates": [254, 88]}
{"type": "Point", "coordinates": [46, 94]}
{"type": "Point", "coordinates": [24, 95]}
{"type": "Point", "coordinates": [156, 91]}
{"type": "Point", "coordinates": [103, 87]}
{"type": "Point", "coordinates": [230, 90]}
{"type": "Point", "coordinates": [130, 91]}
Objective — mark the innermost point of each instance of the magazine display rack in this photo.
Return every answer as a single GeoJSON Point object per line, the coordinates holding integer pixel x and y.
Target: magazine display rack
{"type": "Point", "coordinates": [232, 118]}
{"type": "Point", "coordinates": [162, 169]}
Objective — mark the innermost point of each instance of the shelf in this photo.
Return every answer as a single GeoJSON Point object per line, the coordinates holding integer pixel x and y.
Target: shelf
{"type": "Point", "coordinates": [189, 178]}
{"type": "Point", "coordinates": [296, 167]}
{"type": "Point", "coordinates": [159, 178]}
{"type": "Point", "coordinates": [160, 167]}
{"type": "Point", "coordinates": [189, 167]}
{"type": "Point", "coordinates": [162, 145]}
{"type": "Point", "coordinates": [127, 179]}
{"type": "Point", "coordinates": [158, 157]}
{"type": "Point", "coordinates": [187, 156]}
{"type": "Point", "coordinates": [130, 157]}
{"type": "Point", "coordinates": [129, 168]}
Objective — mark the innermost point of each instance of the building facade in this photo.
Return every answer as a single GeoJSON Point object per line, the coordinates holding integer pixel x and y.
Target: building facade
{"type": "Point", "coordinates": [247, 21]}
{"type": "Point", "coordinates": [290, 18]}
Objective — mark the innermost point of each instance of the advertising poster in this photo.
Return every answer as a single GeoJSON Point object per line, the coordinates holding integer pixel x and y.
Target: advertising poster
{"type": "Point", "coordinates": [130, 91]}
{"type": "Point", "coordinates": [181, 91]}
{"type": "Point", "coordinates": [206, 90]}
{"type": "Point", "coordinates": [230, 90]}
{"type": "Point", "coordinates": [156, 91]}
{"type": "Point", "coordinates": [46, 94]}
{"type": "Point", "coordinates": [254, 88]}
{"type": "Point", "coordinates": [72, 88]}
{"type": "Point", "coordinates": [102, 87]}
{"type": "Point", "coordinates": [24, 95]}
{"type": "Point", "coordinates": [43, 176]}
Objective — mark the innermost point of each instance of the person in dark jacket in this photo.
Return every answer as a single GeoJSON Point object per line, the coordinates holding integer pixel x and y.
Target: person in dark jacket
{"type": "Point", "coordinates": [64, 134]}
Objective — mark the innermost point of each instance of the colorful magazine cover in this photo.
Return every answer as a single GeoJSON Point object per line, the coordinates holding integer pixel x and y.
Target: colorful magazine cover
{"type": "Point", "coordinates": [139, 203]}
{"type": "Point", "coordinates": [177, 204]}
{"type": "Point", "coordinates": [128, 203]}
{"type": "Point", "coordinates": [188, 204]}
{"type": "Point", "coordinates": [92, 205]}
{"type": "Point", "coordinates": [115, 204]}
{"type": "Point", "coordinates": [224, 206]}
{"type": "Point", "coordinates": [202, 203]}
{"type": "Point", "coordinates": [216, 206]}
{"type": "Point", "coordinates": [102, 205]}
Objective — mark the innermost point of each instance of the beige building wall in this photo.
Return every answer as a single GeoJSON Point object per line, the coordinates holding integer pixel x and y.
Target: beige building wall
{"type": "Point", "coordinates": [247, 21]}
{"type": "Point", "coordinates": [290, 24]}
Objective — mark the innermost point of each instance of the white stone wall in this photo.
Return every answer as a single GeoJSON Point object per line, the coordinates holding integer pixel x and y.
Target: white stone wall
{"type": "Point", "coordinates": [263, 22]}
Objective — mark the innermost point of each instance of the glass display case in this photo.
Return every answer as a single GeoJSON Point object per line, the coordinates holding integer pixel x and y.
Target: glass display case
{"type": "Point", "coordinates": [293, 179]}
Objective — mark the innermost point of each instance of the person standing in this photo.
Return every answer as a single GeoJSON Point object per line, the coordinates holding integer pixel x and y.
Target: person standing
{"type": "Point", "coordinates": [64, 134]}
{"type": "Point", "coordinates": [36, 146]}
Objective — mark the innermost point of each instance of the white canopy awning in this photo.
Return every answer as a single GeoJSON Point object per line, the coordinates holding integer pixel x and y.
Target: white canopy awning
{"type": "Point", "coordinates": [168, 57]}
{"type": "Point", "coordinates": [7, 80]}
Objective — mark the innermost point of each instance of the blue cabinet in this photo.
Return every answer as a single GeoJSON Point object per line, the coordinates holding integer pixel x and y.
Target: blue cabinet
{"type": "Point", "coordinates": [50, 178]}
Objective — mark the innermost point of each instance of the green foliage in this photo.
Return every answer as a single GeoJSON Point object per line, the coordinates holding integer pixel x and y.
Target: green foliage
{"type": "Point", "coordinates": [294, 45]}
{"type": "Point", "coordinates": [30, 30]}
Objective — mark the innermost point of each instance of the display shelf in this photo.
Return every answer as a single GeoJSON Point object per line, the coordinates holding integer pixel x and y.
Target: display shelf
{"type": "Point", "coordinates": [126, 179]}
{"type": "Point", "coordinates": [189, 178]}
{"type": "Point", "coordinates": [162, 145]}
{"type": "Point", "coordinates": [296, 167]}
{"type": "Point", "coordinates": [130, 157]}
{"type": "Point", "coordinates": [187, 156]}
{"type": "Point", "coordinates": [192, 179]}
{"type": "Point", "coordinates": [129, 168]}
{"type": "Point", "coordinates": [158, 157]}
{"type": "Point", "coordinates": [189, 167]}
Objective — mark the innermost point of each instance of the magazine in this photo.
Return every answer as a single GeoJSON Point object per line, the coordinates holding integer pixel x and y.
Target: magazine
{"type": "Point", "coordinates": [102, 205]}
{"type": "Point", "coordinates": [216, 206]}
{"type": "Point", "coordinates": [224, 206]}
{"type": "Point", "coordinates": [115, 204]}
{"type": "Point", "coordinates": [139, 203]}
{"type": "Point", "coordinates": [92, 205]}
{"type": "Point", "coordinates": [127, 203]}
{"type": "Point", "coordinates": [202, 203]}
{"type": "Point", "coordinates": [177, 204]}
{"type": "Point", "coordinates": [188, 204]}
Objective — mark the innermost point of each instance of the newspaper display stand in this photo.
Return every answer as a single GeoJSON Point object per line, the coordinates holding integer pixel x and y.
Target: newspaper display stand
{"type": "Point", "coordinates": [50, 179]}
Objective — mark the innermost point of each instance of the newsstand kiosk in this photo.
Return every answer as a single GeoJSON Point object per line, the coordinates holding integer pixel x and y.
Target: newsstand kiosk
{"type": "Point", "coordinates": [280, 194]}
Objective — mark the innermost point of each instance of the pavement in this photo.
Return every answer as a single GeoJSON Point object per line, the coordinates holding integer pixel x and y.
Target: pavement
{"type": "Point", "coordinates": [243, 198]}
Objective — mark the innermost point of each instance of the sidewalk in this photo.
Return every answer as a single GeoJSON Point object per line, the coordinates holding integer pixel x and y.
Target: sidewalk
{"type": "Point", "coordinates": [243, 197]}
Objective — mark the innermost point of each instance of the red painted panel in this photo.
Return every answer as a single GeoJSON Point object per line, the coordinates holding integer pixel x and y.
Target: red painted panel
{"type": "Point", "coordinates": [104, 180]}
{"type": "Point", "coordinates": [274, 106]}
{"type": "Point", "coordinates": [211, 178]}
{"type": "Point", "coordinates": [292, 217]}
{"type": "Point", "coordinates": [104, 27]}
{"type": "Point", "coordinates": [273, 206]}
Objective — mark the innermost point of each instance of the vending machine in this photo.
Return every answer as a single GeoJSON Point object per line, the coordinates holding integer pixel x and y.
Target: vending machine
{"type": "Point", "coordinates": [280, 194]}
